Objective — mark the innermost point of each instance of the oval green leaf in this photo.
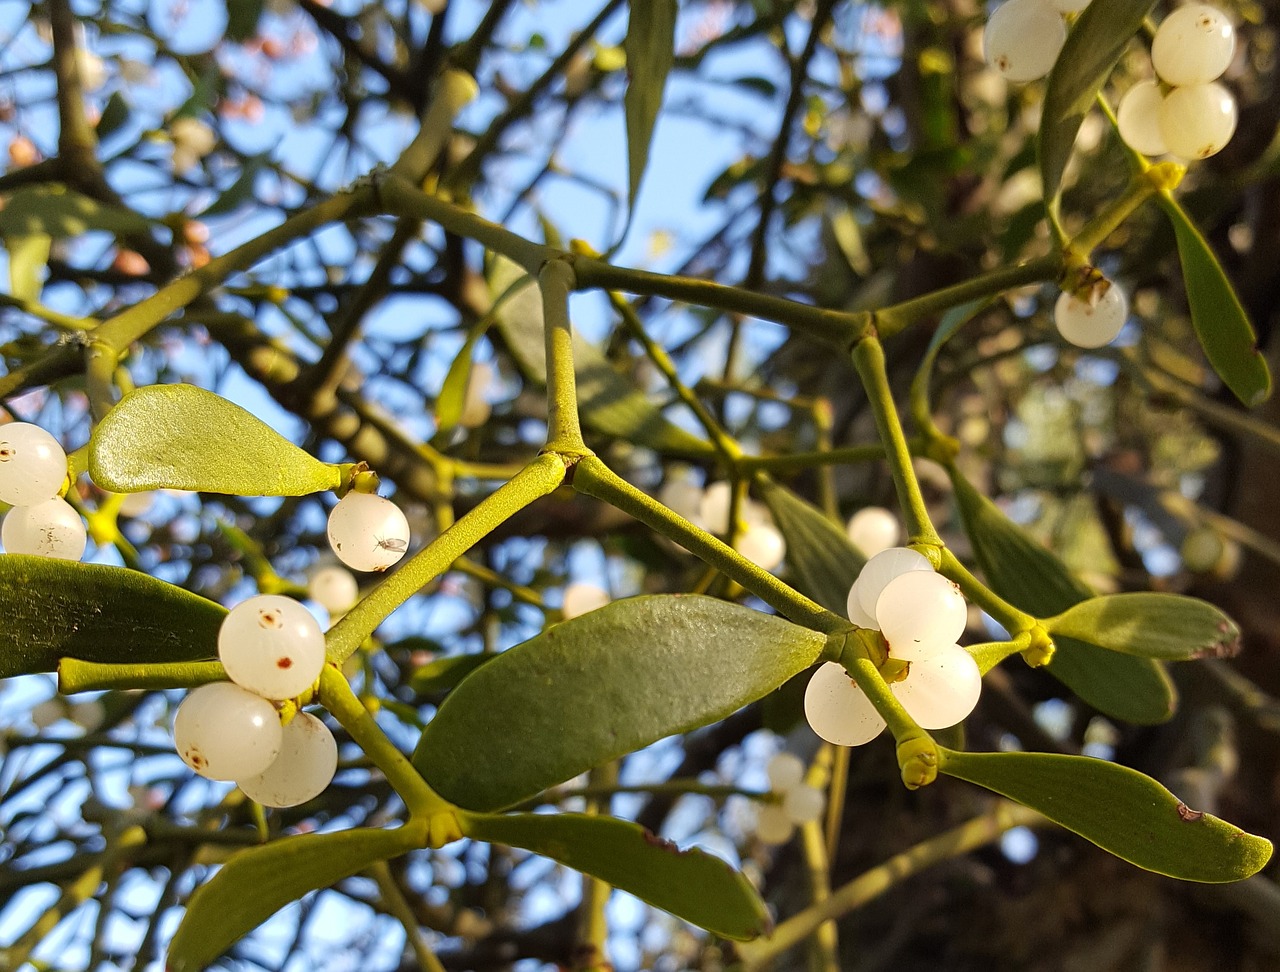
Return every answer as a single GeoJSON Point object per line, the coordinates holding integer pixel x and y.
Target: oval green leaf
{"type": "Point", "coordinates": [256, 883]}
{"type": "Point", "coordinates": [1220, 320]}
{"type": "Point", "coordinates": [1170, 627]}
{"type": "Point", "coordinates": [1119, 809]}
{"type": "Point", "coordinates": [56, 609]}
{"type": "Point", "coordinates": [1031, 578]}
{"type": "Point", "coordinates": [650, 49]}
{"type": "Point", "coordinates": [823, 562]}
{"type": "Point", "coordinates": [607, 402]}
{"type": "Point", "coordinates": [600, 686]}
{"type": "Point", "coordinates": [698, 887]}
{"type": "Point", "coordinates": [1094, 45]}
{"type": "Point", "coordinates": [183, 437]}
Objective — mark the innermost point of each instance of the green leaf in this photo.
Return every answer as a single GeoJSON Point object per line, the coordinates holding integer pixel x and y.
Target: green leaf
{"type": "Point", "coordinates": [114, 115]}
{"type": "Point", "coordinates": [55, 210]}
{"type": "Point", "coordinates": [1165, 626]}
{"type": "Point", "coordinates": [183, 437]}
{"type": "Point", "coordinates": [819, 553]}
{"type": "Point", "coordinates": [1119, 809]}
{"type": "Point", "coordinates": [28, 256]}
{"type": "Point", "coordinates": [1220, 321]}
{"type": "Point", "coordinates": [55, 609]}
{"type": "Point", "coordinates": [1094, 45]}
{"type": "Point", "coordinates": [650, 48]}
{"type": "Point", "coordinates": [607, 402]}
{"type": "Point", "coordinates": [242, 19]}
{"type": "Point", "coordinates": [693, 885]}
{"type": "Point", "coordinates": [256, 883]}
{"type": "Point", "coordinates": [444, 674]}
{"type": "Point", "coordinates": [1031, 578]}
{"type": "Point", "coordinates": [602, 685]}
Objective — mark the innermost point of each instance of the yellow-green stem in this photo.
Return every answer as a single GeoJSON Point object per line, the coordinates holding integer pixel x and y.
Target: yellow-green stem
{"type": "Point", "coordinates": [564, 429]}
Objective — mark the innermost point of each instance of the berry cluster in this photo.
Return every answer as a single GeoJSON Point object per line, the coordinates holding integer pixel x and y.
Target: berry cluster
{"type": "Point", "coordinates": [921, 615]}
{"type": "Point", "coordinates": [758, 539]}
{"type": "Point", "coordinates": [797, 803]}
{"type": "Point", "coordinates": [33, 468]}
{"type": "Point", "coordinates": [1192, 116]}
{"type": "Point", "coordinates": [1023, 38]}
{"type": "Point", "coordinates": [273, 650]}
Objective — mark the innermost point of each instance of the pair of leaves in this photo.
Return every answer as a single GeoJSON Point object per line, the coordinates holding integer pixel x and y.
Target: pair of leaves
{"type": "Point", "coordinates": [602, 685]}
{"type": "Point", "coordinates": [1095, 44]}
{"type": "Point", "coordinates": [1119, 809]}
{"type": "Point", "coordinates": [1031, 578]}
{"type": "Point", "coordinates": [183, 437]}
{"type": "Point", "coordinates": [607, 402]}
{"type": "Point", "coordinates": [55, 609]}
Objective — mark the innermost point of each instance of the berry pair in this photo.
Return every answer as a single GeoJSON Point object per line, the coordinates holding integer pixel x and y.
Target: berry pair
{"type": "Point", "coordinates": [33, 468]}
{"type": "Point", "coordinates": [759, 539]}
{"type": "Point", "coordinates": [272, 649]}
{"type": "Point", "coordinates": [921, 615]}
{"type": "Point", "coordinates": [797, 804]}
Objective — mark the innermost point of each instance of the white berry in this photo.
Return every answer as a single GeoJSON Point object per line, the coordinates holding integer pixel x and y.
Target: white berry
{"type": "Point", "coordinates": [881, 569]}
{"type": "Point", "coordinates": [1194, 45]}
{"type": "Point", "coordinates": [1023, 38]}
{"type": "Point", "coordinates": [1198, 121]}
{"type": "Point", "coordinates": [804, 804]}
{"type": "Point", "coordinates": [368, 532]}
{"type": "Point", "coordinates": [306, 764]}
{"type": "Point", "coordinates": [1093, 326]}
{"type": "Point", "coordinates": [838, 710]}
{"type": "Point", "coordinates": [1069, 6]}
{"type": "Point", "coordinates": [773, 826]}
{"type": "Point", "coordinates": [32, 464]}
{"type": "Point", "coordinates": [874, 529]}
{"type": "Point", "coordinates": [272, 646]}
{"type": "Point", "coordinates": [713, 510]}
{"type": "Point", "coordinates": [49, 529]}
{"type": "Point", "coordinates": [942, 689]}
{"type": "Point", "coordinates": [784, 770]}
{"type": "Point", "coordinates": [333, 588]}
{"type": "Point", "coordinates": [224, 732]}
{"type": "Point", "coordinates": [682, 497]}
{"type": "Point", "coordinates": [919, 612]}
{"type": "Point", "coordinates": [853, 608]}
{"type": "Point", "coordinates": [580, 598]}
{"type": "Point", "coordinates": [1138, 118]}
{"type": "Point", "coordinates": [761, 544]}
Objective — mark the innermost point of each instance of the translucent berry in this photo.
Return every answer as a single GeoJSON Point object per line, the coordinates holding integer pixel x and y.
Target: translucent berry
{"type": "Point", "coordinates": [682, 497]}
{"type": "Point", "coordinates": [881, 569]}
{"type": "Point", "coordinates": [919, 612]}
{"type": "Point", "coordinates": [580, 598]}
{"type": "Point", "coordinates": [224, 732]}
{"type": "Point", "coordinates": [784, 770]}
{"type": "Point", "coordinates": [272, 646]}
{"type": "Point", "coordinates": [1069, 6]}
{"type": "Point", "coordinates": [32, 464]}
{"type": "Point", "coordinates": [1023, 38]}
{"type": "Point", "coordinates": [333, 588]}
{"type": "Point", "coordinates": [873, 529]}
{"type": "Point", "coordinates": [773, 826]}
{"type": "Point", "coordinates": [761, 544]}
{"type": "Point", "coordinates": [1194, 45]}
{"type": "Point", "coordinates": [368, 532]}
{"type": "Point", "coordinates": [1138, 118]}
{"type": "Point", "coordinates": [853, 608]}
{"type": "Point", "coordinates": [1091, 327]}
{"type": "Point", "coordinates": [306, 764]}
{"type": "Point", "coordinates": [49, 529]}
{"type": "Point", "coordinates": [838, 710]}
{"type": "Point", "coordinates": [713, 511]}
{"type": "Point", "coordinates": [942, 689]}
{"type": "Point", "coordinates": [804, 804]}
{"type": "Point", "coordinates": [1198, 121]}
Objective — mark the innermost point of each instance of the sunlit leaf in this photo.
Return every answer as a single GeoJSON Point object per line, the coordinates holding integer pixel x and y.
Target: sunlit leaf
{"type": "Point", "coordinates": [183, 437]}
{"type": "Point", "coordinates": [55, 609]}
{"type": "Point", "coordinates": [692, 884]}
{"type": "Point", "coordinates": [28, 256]}
{"type": "Point", "coordinates": [1094, 45]}
{"type": "Point", "coordinates": [1165, 626]}
{"type": "Point", "coordinates": [819, 553]}
{"type": "Point", "coordinates": [650, 50]}
{"type": "Point", "coordinates": [256, 883]}
{"type": "Point", "coordinates": [1031, 578]}
{"type": "Point", "coordinates": [602, 685]}
{"type": "Point", "coordinates": [1119, 809]}
{"type": "Point", "coordinates": [1220, 320]}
